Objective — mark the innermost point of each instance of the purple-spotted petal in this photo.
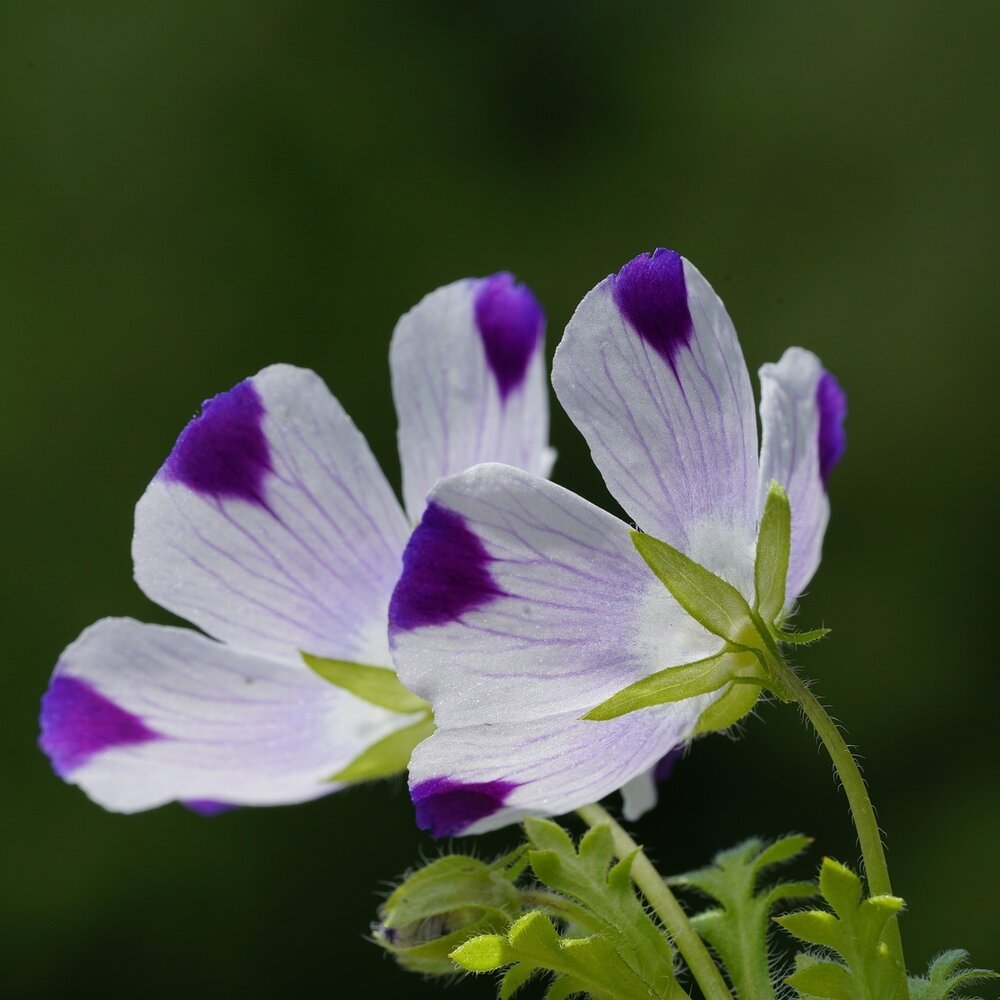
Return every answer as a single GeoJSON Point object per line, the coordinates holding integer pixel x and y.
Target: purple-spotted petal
{"type": "Point", "coordinates": [528, 602]}
{"type": "Point", "coordinates": [271, 526]}
{"type": "Point", "coordinates": [651, 372]}
{"type": "Point", "coordinates": [141, 715]}
{"type": "Point", "coordinates": [468, 378]}
{"type": "Point", "coordinates": [802, 410]}
{"type": "Point", "coordinates": [537, 767]}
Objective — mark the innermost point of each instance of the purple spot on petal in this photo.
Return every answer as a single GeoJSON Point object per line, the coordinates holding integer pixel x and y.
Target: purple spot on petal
{"type": "Point", "coordinates": [445, 573]}
{"type": "Point", "coordinates": [78, 722]}
{"type": "Point", "coordinates": [447, 807]}
{"type": "Point", "coordinates": [665, 765]}
{"type": "Point", "coordinates": [207, 807]}
{"type": "Point", "coordinates": [510, 321]}
{"type": "Point", "coordinates": [223, 453]}
{"type": "Point", "coordinates": [832, 403]}
{"type": "Point", "coordinates": [651, 293]}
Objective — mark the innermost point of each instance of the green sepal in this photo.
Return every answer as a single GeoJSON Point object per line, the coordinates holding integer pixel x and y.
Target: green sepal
{"type": "Point", "coordinates": [732, 705]}
{"type": "Point", "coordinates": [802, 638]}
{"type": "Point", "coordinates": [390, 755]}
{"type": "Point", "coordinates": [711, 601]}
{"type": "Point", "coordinates": [443, 904]}
{"type": "Point", "coordinates": [677, 683]}
{"type": "Point", "coordinates": [946, 977]}
{"type": "Point", "coordinates": [737, 927]}
{"type": "Point", "coordinates": [855, 932]}
{"type": "Point", "coordinates": [377, 685]}
{"type": "Point", "coordinates": [774, 542]}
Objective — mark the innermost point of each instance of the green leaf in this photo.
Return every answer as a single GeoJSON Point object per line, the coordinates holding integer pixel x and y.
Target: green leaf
{"type": "Point", "coordinates": [774, 542]}
{"type": "Point", "coordinates": [709, 599]}
{"type": "Point", "coordinates": [515, 977]}
{"type": "Point", "coordinates": [675, 684]}
{"type": "Point", "coordinates": [389, 756]}
{"type": "Point", "coordinates": [854, 932]}
{"type": "Point", "coordinates": [802, 638]}
{"type": "Point", "coordinates": [946, 977]}
{"type": "Point", "coordinates": [377, 685]}
{"type": "Point", "coordinates": [737, 927]}
{"type": "Point", "coordinates": [484, 954]}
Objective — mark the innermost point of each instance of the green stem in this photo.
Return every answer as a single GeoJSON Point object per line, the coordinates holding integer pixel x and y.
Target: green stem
{"type": "Point", "coordinates": [663, 901]}
{"type": "Point", "coordinates": [862, 811]}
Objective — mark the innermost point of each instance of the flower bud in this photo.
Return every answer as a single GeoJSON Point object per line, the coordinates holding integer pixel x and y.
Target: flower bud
{"type": "Point", "coordinates": [442, 905]}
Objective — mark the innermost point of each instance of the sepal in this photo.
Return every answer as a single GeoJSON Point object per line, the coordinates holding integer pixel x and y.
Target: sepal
{"type": "Point", "coordinates": [390, 755]}
{"type": "Point", "coordinates": [774, 543]}
{"type": "Point", "coordinates": [377, 685]}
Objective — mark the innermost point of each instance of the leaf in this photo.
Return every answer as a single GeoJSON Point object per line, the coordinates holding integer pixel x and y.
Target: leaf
{"type": "Point", "coordinates": [484, 954]}
{"type": "Point", "coordinates": [389, 756]}
{"type": "Point", "coordinates": [710, 600]}
{"type": "Point", "coordinates": [377, 685]}
{"type": "Point", "coordinates": [946, 977]}
{"type": "Point", "coordinates": [674, 684]}
{"type": "Point", "coordinates": [737, 927]}
{"type": "Point", "coordinates": [515, 977]}
{"type": "Point", "coordinates": [774, 542]}
{"type": "Point", "coordinates": [853, 932]}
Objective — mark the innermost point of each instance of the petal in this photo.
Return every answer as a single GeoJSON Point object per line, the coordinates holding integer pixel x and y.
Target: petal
{"type": "Point", "coordinates": [140, 715]}
{"type": "Point", "coordinates": [651, 372]}
{"type": "Point", "coordinates": [802, 411]}
{"type": "Point", "coordinates": [519, 599]}
{"type": "Point", "coordinates": [468, 376]}
{"type": "Point", "coordinates": [479, 778]}
{"type": "Point", "coordinates": [271, 526]}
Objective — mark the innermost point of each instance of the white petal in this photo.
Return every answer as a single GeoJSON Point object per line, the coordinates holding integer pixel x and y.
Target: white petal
{"type": "Point", "coordinates": [801, 410]}
{"type": "Point", "coordinates": [639, 795]}
{"type": "Point", "coordinates": [272, 527]}
{"type": "Point", "coordinates": [140, 715]}
{"type": "Point", "coordinates": [650, 370]}
{"type": "Point", "coordinates": [479, 778]}
{"type": "Point", "coordinates": [468, 377]}
{"type": "Point", "coordinates": [519, 600]}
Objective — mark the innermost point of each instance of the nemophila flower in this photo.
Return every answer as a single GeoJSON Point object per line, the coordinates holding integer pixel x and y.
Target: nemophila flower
{"type": "Point", "coordinates": [271, 527]}
{"type": "Point", "coordinates": [522, 607]}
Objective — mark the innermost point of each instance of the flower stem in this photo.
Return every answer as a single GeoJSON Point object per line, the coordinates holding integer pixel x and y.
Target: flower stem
{"type": "Point", "coordinates": [663, 901]}
{"type": "Point", "coordinates": [862, 812]}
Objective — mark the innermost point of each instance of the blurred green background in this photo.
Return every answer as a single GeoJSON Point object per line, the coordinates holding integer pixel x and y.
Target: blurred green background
{"type": "Point", "coordinates": [192, 190]}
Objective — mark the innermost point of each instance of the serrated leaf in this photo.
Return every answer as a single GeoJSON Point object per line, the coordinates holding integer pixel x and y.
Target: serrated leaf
{"type": "Point", "coordinates": [829, 980]}
{"type": "Point", "coordinates": [547, 836]}
{"type": "Point", "coordinates": [946, 977]}
{"type": "Point", "coordinates": [390, 755]}
{"type": "Point", "coordinates": [854, 932]}
{"type": "Point", "coordinates": [713, 602]}
{"type": "Point", "coordinates": [737, 927]}
{"type": "Point", "coordinates": [562, 988]}
{"type": "Point", "coordinates": [689, 680]}
{"type": "Point", "coordinates": [774, 542]}
{"type": "Point", "coordinates": [377, 685]}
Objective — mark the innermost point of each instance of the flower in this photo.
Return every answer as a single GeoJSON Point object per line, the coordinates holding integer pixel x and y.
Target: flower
{"type": "Point", "coordinates": [271, 527]}
{"type": "Point", "coordinates": [521, 606]}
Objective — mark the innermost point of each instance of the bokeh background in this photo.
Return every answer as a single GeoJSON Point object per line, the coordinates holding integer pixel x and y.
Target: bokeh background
{"type": "Point", "coordinates": [192, 190]}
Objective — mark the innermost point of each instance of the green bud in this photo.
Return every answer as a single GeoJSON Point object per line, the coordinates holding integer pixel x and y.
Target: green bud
{"type": "Point", "coordinates": [444, 904]}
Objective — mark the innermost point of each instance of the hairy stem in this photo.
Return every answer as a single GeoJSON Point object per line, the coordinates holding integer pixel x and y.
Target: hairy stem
{"type": "Point", "coordinates": [663, 901]}
{"type": "Point", "coordinates": [862, 812]}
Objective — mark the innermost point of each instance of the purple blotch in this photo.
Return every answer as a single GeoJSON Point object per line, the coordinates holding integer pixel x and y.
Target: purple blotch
{"type": "Point", "coordinates": [207, 807]}
{"type": "Point", "coordinates": [78, 722]}
{"type": "Point", "coordinates": [651, 293]}
{"type": "Point", "coordinates": [832, 403]}
{"type": "Point", "coordinates": [223, 453]}
{"type": "Point", "coordinates": [446, 807]}
{"type": "Point", "coordinates": [510, 322]}
{"type": "Point", "coordinates": [445, 573]}
{"type": "Point", "coordinates": [666, 764]}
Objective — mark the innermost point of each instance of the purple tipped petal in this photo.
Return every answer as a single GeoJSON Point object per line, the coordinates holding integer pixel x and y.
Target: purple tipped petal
{"type": "Point", "coordinates": [652, 295]}
{"type": "Point", "coordinates": [207, 807]}
{"type": "Point", "coordinates": [831, 401]}
{"type": "Point", "coordinates": [445, 573]}
{"type": "Point", "coordinates": [447, 807]}
{"type": "Point", "coordinates": [78, 722]}
{"type": "Point", "coordinates": [223, 452]}
{"type": "Point", "coordinates": [666, 764]}
{"type": "Point", "coordinates": [510, 321]}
